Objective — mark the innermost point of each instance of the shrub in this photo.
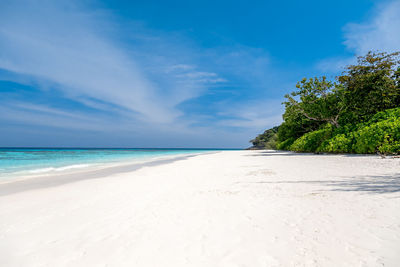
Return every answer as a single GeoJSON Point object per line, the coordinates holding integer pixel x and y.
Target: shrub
{"type": "Point", "coordinates": [380, 134]}
{"type": "Point", "coordinates": [341, 143]}
{"type": "Point", "coordinates": [384, 115]}
{"type": "Point", "coordinates": [310, 142]}
{"type": "Point", "coordinates": [285, 145]}
{"type": "Point", "coordinates": [268, 139]}
{"type": "Point", "coordinates": [389, 146]}
{"type": "Point", "coordinates": [272, 142]}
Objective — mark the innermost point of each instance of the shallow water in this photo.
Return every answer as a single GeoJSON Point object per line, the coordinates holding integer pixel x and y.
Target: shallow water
{"type": "Point", "coordinates": [31, 161]}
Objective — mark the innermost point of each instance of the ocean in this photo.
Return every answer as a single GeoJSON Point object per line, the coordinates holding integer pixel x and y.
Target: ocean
{"type": "Point", "coordinates": [15, 162]}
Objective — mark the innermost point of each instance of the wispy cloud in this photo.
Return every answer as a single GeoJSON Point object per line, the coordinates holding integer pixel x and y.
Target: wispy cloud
{"type": "Point", "coordinates": [334, 65]}
{"type": "Point", "coordinates": [255, 115]}
{"type": "Point", "coordinates": [30, 114]}
{"type": "Point", "coordinates": [380, 32]}
{"type": "Point", "coordinates": [60, 42]}
{"type": "Point", "coordinates": [128, 80]}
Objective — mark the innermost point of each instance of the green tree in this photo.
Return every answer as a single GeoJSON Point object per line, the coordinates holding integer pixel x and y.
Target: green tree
{"type": "Point", "coordinates": [295, 124]}
{"type": "Point", "coordinates": [268, 139]}
{"type": "Point", "coordinates": [339, 116]}
{"type": "Point", "coordinates": [317, 99]}
{"type": "Point", "coordinates": [371, 86]}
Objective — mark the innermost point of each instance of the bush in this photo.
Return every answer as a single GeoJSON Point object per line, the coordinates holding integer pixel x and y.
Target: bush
{"type": "Point", "coordinates": [384, 115]}
{"type": "Point", "coordinates": [267, 140]}
{"type": "Point", "coordinates": [341, 143]}
{"type": "Point", "coordinates": [310, 142]}
{"type": "Point", "coordinates": [272, 142]}
{"type": "Point", "coordinates": [285, 145]}
{"type": "Point", "coordinates": [389, 146]}
{"type": "Point", "coordinates": [380, 134]}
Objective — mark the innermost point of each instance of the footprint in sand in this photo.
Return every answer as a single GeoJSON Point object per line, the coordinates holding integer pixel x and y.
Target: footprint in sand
{"type": "Point", "coordinates": [263, 172]}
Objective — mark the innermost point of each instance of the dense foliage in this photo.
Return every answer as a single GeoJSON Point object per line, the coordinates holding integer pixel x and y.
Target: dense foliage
{"type": "Point", "coordinates": [380, 134]}
{"type": "Point", "coordinates": [359, 112]}
{"type": "Point", "coordinates": [310, 142]}
{"type": "Point", "coordinates": [267, 140]}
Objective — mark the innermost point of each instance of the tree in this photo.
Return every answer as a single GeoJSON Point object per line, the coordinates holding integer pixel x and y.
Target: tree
{"type": "Point", "coordinates": [317, 99]}
{"type": "Point", "coordinates": [319, 109]}
{"type": "Point", "coordinates": [372, 85]}
{"type": "Point", "coordinates": [295, 124]}
{"type": "Point", "coordinates": [268, 139]}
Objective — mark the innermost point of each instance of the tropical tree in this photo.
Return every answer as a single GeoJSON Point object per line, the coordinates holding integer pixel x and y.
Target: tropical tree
{"type": "Point", "coordinates": [317, 99]}
{"type": "Point", "coordinates": [372, 85]}
{"type": "Point", "coordinates": [345, 115]}
{"type": "Point", "coordinates": [268, 139]}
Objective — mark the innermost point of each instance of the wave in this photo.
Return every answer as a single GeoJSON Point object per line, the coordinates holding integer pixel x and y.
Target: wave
{"type": "Point", "coordinates": [58, 169]}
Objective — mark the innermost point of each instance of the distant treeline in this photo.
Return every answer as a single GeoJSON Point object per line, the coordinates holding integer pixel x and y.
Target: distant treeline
{"type": "Point", "coordinates": [358, 112]}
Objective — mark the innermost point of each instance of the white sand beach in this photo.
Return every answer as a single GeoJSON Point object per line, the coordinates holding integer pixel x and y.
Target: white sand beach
{"type": "Point", "coordinates": [230, 208]}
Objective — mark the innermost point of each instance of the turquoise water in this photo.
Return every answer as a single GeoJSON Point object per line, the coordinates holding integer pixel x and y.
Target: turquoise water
{"type": "Point", "coordinates": [25, 161]}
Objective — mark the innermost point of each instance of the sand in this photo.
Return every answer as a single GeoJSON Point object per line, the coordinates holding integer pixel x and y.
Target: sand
{"type": "Point", "coordinates": [231, 208]}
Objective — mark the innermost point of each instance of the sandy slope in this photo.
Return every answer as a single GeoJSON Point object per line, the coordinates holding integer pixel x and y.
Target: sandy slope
{"type": "Point", "coordinates": [233, 208]}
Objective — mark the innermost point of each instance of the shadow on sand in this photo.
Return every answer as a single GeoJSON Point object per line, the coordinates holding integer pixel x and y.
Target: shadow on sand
{"type": "Point", "coordinates": [374, 184]}
{"type": "Point", "coordinates": [271, 153]}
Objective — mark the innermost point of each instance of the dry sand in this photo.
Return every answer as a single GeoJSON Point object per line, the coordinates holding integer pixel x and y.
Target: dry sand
{"type": "Point", "coordinates": [231, 208]}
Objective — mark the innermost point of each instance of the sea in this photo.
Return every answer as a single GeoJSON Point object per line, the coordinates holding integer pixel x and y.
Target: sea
{"type": "Point", "coordinates": [17, 162]}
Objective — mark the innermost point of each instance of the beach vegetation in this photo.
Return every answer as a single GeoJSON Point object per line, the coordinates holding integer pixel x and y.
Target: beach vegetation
{"type": "Point", "coordinates": [266, 140]}
{"type": "Point", "coordinates": [311, 142]}
{"type": "Point", "coordinates": [285, 145]}
{"type": "Point", "coordinates": [358, 112]}
{"type": "Point", "coordinates": [380, 134]}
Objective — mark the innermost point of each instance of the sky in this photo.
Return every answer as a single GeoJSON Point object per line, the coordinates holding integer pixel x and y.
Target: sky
{"type": "Point", "coordinates": [199, 74]}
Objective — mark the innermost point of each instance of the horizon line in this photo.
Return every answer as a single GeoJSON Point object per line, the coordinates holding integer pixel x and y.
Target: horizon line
{"type": "Point", "coordinates": [61, 147]}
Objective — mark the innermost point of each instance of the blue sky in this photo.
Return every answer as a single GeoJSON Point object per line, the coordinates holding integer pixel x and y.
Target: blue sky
{"type": "Point", "coordinates": [170, 73]}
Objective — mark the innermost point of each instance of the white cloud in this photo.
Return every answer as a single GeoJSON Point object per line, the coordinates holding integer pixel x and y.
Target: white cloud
{"type": "Point", "coordinates": [254, 115]}
{"type": "Point", "coordinates": [32, 114]}
{"type": "Point", "coordinates": [179, 67]}
{"type": "Point", "coordinates": [381, 32]}
{"type": "Point", "coordinates": [191, 75]}
{"type": "Point", "coordinates": [72, 48]}
{"type": "Point", "coordinates": [137, 86]}
{"type": "Point", "coordinates": [334, 65]}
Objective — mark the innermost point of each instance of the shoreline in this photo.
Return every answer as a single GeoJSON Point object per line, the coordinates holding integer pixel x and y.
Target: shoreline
{"type": "Point", "coordinates": [29, 171]}
{"type": "Point", "coordinates": [231, 208]}
{"type": "Point", "coordinates": [91, 171]}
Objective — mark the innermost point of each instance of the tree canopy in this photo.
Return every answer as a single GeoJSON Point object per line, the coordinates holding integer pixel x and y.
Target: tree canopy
{"type": "Point", "coordinates": [347, 104]}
